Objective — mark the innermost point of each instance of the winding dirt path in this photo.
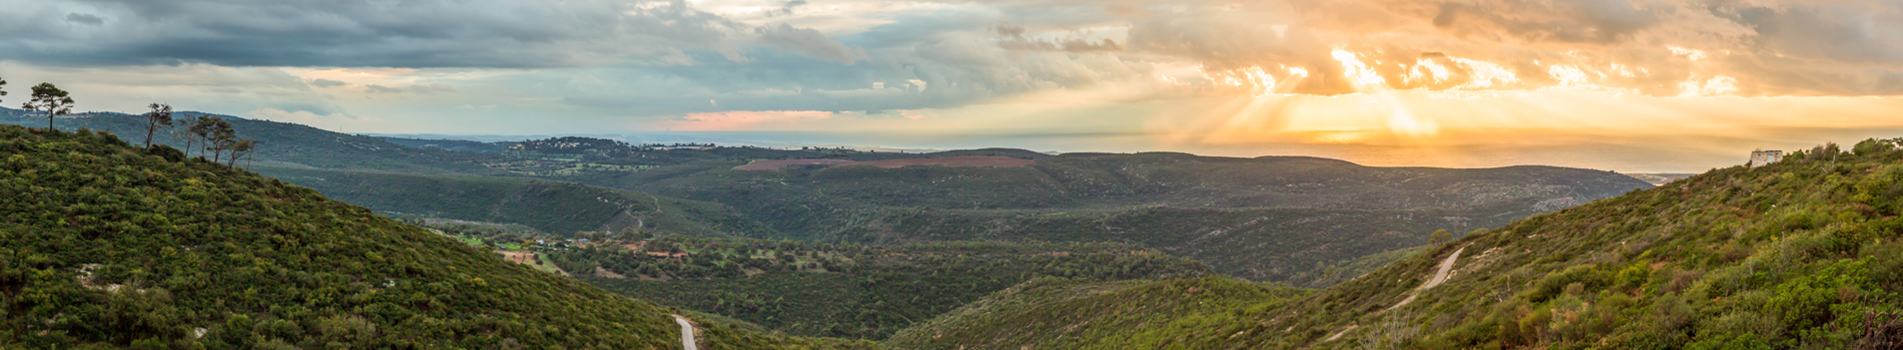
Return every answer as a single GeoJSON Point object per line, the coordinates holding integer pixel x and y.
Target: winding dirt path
{"type": "Point", "coordinates": [1439, 276]}
{"type": "Point", "coordinates": [687, 333]}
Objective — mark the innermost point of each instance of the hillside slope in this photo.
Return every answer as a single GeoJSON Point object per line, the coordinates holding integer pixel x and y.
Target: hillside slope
{"type": "Point", "coordinates": [107, 245]}
{"type": "Point", "coordinates": [1804, 253]}
{"type": "Point", "coordinates": [1056, 313]}
{"type": "Point", "coordinates": [556, 207]}
{"type": "Point", "coordinates": [1272, 218]}
{"type": "Point", "coordinates": [285, 144]}
{"type": "Point", "coordinates": [847, 290]}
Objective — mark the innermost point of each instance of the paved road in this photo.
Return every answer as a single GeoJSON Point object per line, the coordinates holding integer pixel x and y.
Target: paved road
{"type": "Point", "coordinates": [687, 333]}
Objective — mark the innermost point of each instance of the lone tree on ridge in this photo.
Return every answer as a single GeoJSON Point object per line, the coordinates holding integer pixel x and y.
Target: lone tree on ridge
{"type": "Point", "coordinates": [159, 117]}
{"type": "Point", "coordinates": [51, 99]}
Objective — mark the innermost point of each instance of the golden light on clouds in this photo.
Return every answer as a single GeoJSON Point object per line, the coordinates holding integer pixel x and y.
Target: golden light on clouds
{"type": "Point", "coordinates": [1433, 77]}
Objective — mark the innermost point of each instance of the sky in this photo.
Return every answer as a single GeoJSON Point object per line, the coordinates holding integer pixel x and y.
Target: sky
{"type": "Point", "coordinates": [1635, 86]}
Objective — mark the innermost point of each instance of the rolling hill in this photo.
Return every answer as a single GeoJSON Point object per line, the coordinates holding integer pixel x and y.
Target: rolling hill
{"type": "Point", "coordinates": [1804, 253]}
{"type": "Point", "coordinates": [557, 207]}
{"type": "Point", "coordinates": [1272, 218]}
{"type": "Point", "coordinates": [1057, 313]}
{"type": "Point", "coordinates": [285, 144]}
{"type": "Point", "coordinates": [847, 290]}
{"type": "Point", "coordinates": [104, 245]}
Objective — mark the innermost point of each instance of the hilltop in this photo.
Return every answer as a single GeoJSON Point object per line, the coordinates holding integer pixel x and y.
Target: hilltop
{"type": "Point", "coordinates": [108, 245]}
{"type": "Point", "coordinates": [1803, 253]}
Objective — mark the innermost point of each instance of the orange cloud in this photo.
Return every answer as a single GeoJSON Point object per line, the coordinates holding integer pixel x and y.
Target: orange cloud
{"type": "Point", "coordinates": [745, 120]}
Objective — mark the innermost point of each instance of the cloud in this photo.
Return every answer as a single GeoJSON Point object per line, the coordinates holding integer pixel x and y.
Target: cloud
{"type": "Point", "coordinates": [416, 89]}
{"type": "Point", "coordinates": [82, 18]}
{"type": "Point", "coordinates": [416, 34]}
{"type": "Point", "coordinates": [805, 41]}
{"type": "Point", "coordinates": [327, 83]}
{"type": "Point", "coordinates": [1770, 48]}
{"type": "Point", "coordinates": [745, 120]}
{"type": "Point", "coordinates": [661, 60]}
{"type": "Point", "coordinates": [790, 6]}
{"type": "Point", "coordinates": [1012, 38]}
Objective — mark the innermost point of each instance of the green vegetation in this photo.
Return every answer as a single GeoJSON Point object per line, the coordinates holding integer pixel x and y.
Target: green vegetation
{"type": "Point", "coordinates": [1272, 218]}
{"type": "Point", "coordinates": [1803, 253]}
{"type": "Point", "coordinates": [1053, 313]}
{"type": "Point", "coordinates": [104, 245]}
{"type": "Point", "coordinates": [1289, 219]}
{"type": "Point", "coordinates": [845, 290]}
{"type": "Point", "coordinates": [282, 144]}
{"type": "Point", "coordinates": [561, 208]}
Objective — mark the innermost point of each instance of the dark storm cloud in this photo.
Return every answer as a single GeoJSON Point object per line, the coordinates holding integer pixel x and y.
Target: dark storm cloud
{"type": "Point", "coordinates": [82, 18]}
{"type": "Point", "coordinates": [355, 33]}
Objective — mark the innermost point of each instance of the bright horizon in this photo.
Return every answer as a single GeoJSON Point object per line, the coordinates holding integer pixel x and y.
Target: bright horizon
{"type": "Point", "coordinates": [1638, 86]}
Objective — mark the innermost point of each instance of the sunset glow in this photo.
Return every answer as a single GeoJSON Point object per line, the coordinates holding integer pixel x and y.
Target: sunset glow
{"type": "Point", "coordinates": [1436, 83]}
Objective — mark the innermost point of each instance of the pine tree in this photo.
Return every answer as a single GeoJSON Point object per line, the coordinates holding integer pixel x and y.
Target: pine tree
{"type": "Point", "coordinates": [159, 117]}
{"type": "Point", "coordinates": [51, 99]}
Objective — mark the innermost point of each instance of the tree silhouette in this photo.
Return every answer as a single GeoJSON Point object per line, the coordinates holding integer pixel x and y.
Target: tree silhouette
{"type": "Point", "coordinates": [221, 137]}
{"type": "Point", "coordinates": [202, 128]}
{"type": "Point", "coordinates": [240, 147]}
{"type": "Point", "coordinates": [3, 84]}
{"type": "Point", "coordinates": [185, 132]}
{"type": "Point", "coordinates": [51, 99]}
{"type": "Point", "coordinates": [159, 117]}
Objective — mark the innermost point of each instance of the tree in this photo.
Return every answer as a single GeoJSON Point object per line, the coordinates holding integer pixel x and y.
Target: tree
{"type": "Point", "coordinates": [159, 117]}
{"type": "Point", "coordinates": [1439, 236]}
{"type": "Point", "coordinates": [184, 133]}
{"type": "Point", "coordinates": [3, 84]}
{"type": "Point", "coordinates": [51, 99]}
{"type": "Point", "coordinates": [202, 128]}
{"type": "Point", "coordinates": [244, 147]}
{"type": "Point", "coordinates": [222, 137]}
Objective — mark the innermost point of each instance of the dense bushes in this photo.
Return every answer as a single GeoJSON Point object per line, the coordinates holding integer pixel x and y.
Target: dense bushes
{"type": "Point", "coordinates": [847, 290]}
{"type": "Point", "coordinates": [1803, 253]}
{"type": "Point", "coordinates": [106, 245]}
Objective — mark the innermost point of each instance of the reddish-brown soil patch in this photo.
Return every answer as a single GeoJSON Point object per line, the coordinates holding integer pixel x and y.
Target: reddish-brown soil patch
{"type": "Point", "coordinates": [959, 161]}
{"type": "Point", "coordinates": [518, 257]}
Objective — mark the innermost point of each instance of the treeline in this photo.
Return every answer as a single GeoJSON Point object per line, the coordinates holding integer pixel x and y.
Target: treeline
{"type": "Point", "coordinates": [213, 135]}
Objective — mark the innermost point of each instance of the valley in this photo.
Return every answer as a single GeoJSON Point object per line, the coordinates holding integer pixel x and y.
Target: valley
{"type": "Point", "coordinates": [951, 175]}
{"type": "Point", "coordinates": [930, 254]}
{"type": "Point", "coordinates": [1298, 221]}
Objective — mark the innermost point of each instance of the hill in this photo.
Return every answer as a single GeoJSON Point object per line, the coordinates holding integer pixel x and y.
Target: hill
{"type": "Point", "coordinates": [556, 207]}
{"type": "Point", "coordinates": [1299, 220]}
{"type": "Point", "coordinates": [1803, 253]}
{"type": "Point", "coordinates": [845, 290]}
{"type": "Point", "coordinates": [1056, 313]}
{"type": "Point", "coordinates": [286, 144]}
{"type": "Point", "coordinates": [1272, 218]}
{"type": "Point", "coordinates": [103, 245]}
